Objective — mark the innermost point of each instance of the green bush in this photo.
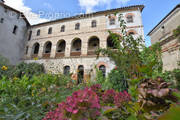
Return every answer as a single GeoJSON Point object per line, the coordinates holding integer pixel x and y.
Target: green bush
{"type": "Point", "coordinates": [118, 80]}
{"type": "Point", "coordinates": [28, 69]}
{"type": "Point", "coordinates": [30, 98]}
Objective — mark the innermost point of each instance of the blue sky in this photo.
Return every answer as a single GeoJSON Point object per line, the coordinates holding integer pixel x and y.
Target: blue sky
{"type": "Point", "coordinates": [154, 10]}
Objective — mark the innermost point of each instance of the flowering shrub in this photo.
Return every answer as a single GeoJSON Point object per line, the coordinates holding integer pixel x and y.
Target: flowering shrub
{"type": "Point", "coordinates": [121, 98]}
{"type": "Point", "coordinates": [82, 105]}
{"type": "Point", "coordinates": [86, 104]}
{"type": "Point", "coordinates": [4, 68]}
{"type": "Point", "coordinates": [108, 96]}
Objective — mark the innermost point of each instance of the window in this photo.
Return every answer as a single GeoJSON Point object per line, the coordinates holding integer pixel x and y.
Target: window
{"type": "Point", "coordinates": [27, 50]}
{"type": "Point", "coordinates": [2, 20]}
{"type": "Point", "coordinates": [93, 24]}
{"type": "Point", "coordinates": [30, 34]}
{"type": "Point", "coordinates": [112, 21]}
{"type": "Point", "coordinates": [5, 10]}
{"type": "Point", "coordinates": [66, 70]}
{"type": "Point", "coordinates": [63, 28]}
{"type": "Point", "coordinates": [38, 32]}
{"type": "Point", "coordinates": [50, 30]}
{"type": "Point", "coordinates": [77, 26]}
{"type": "Point", "coordinates": [129, 19]}
{"type": "Point", "coordinates": [102, 68]}
{"type": "Point", "coordinates": [15, 29]}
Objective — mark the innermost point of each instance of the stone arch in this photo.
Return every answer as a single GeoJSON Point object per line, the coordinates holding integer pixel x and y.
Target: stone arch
{"type": "Point", "coordinates": [131, 32]}
{"type": "Point", "coordinates": [102, 63]}
{"type": "Point", "coordinates": [110, 42]}
{"type": "Point", "coordinates": [93, 45]}
{"type": "Point", "coordinates": [102, 68]}
{"type": "Point", "coordinates": [80, 74]}
{"type": "Point", "coordinates": [76, 47]}
{"type": "Point", "coordinates": [35, 48]}
{"type": "Point", "coordinates": [60, 48]}
{"type": "Point", "coordinates": [66, 70]}
{"type": "Point", "coordinates": [47, 47]}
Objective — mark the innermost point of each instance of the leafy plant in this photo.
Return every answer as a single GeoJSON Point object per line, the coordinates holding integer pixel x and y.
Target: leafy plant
{"type": "Point", "coordinates": [155, 95]}
{"type": "Point", "coordinates": [176, 32]}
{"type": "Point", "coordinates": [118, 80]}
{"type": "Point", "coordinates": [30, 98]}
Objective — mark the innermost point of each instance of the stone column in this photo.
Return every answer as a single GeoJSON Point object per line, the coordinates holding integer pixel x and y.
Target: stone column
{"type": "Point", "coordinates": [84, 48]}
{"type": "Point", "coordinates": [68, 49]}
{"type": "Point", "coordinates": [41, 48]}
{"type": "Point", "coordinates": [30, 51]}
{"type": "Point", "coordinates": [53, 50]}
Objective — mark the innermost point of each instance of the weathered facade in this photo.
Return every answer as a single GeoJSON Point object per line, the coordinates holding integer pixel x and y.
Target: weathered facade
{"type": "Point", "coordinates": [13, 29]}
{"type": "Point", "coordinates": [69, 44]}
{"type": "Point", "coordinates": [163, 33]}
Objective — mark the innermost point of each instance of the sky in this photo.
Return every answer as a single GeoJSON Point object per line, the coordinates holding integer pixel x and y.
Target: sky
{"type": "Point", "coordinates": [38, 11]}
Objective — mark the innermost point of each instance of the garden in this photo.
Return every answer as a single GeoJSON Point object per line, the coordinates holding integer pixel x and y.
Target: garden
{"type": "Point", "coordinates": [136, 89]}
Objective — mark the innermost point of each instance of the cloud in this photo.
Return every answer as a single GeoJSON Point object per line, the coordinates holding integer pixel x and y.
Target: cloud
{"type": "Point", "coordinates": [33, 18]}
{"type": "Point", "coordinates": [89, 5]}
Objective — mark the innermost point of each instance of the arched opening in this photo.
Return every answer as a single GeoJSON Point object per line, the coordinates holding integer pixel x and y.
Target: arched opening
{"type": "Point", "coordinates": [102, 68]}
{"type": "Point", "coordinates": [111, 40]}
{"type": "Point", "coordinates": [47, 49]}
{"type": "Point", "coordinates": [80, 73]}
{"type": "Point", "coordinates": [66, 70]}
{"type": "Point", "coordinates": [76, 47]}
{"type": "Point", "coordinates": [35, 50]}
{"type": "Point", "coordinates": [93, 45]}
{"type": "Point", "coordinates": [131, 32]}
{"type": "Point", "coordinates": [60, 51]}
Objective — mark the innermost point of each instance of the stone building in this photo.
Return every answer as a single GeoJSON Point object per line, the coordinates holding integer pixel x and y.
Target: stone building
{"type": "Point", "coordinates": [163, 33]}
{"type": "Point", "coordinates": [13, 29]}
{"type": "Point", "coordinates": [68, 45]}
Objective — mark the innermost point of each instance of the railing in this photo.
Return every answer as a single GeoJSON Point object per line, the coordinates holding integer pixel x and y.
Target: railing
{"type": "Point", "coordinates": [34, 55]}
{"type": "Point", "coordinates": [59, 55]}
{"type": "Point", "coordinates": [75, 53]}
{"type": "Point", "coordinates": [91, 52]}
{"type": "Point", "coordinates": [46, 55]}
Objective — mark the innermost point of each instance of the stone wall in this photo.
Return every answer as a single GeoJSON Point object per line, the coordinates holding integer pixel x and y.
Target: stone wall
{"type": "Point", "coordinates": [12, 45]}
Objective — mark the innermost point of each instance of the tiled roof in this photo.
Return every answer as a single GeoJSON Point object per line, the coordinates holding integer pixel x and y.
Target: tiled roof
{"type": "Point", "coordinates": [141, 7]}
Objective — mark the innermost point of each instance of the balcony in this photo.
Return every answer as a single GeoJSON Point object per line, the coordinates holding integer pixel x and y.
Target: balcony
{"type": "Point", "coordinates": [46, 56]}
{"type": "Point", "coordinates": [34, 56]}
{"type": "Point", "coordinates": [77, 53]}
{"type": "Point", "coordinates": [60, 55]}
{"type": "Point", "coordinates": [91, 52]}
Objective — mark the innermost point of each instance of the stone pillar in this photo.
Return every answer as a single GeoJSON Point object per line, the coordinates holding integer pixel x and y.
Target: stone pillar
{"type": "Point", "coordinates": [68, 49]}
{"type": "Point", "coordinates": [41, 50]}
{"type": "Point", "coordinates": [103, 43]}
{"type": "Point", "coordinates": [53, 50]}
{"type": "Point", "coordinates": [84, 48]}
{"type": "Point", "coordinates": [30, 51]}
